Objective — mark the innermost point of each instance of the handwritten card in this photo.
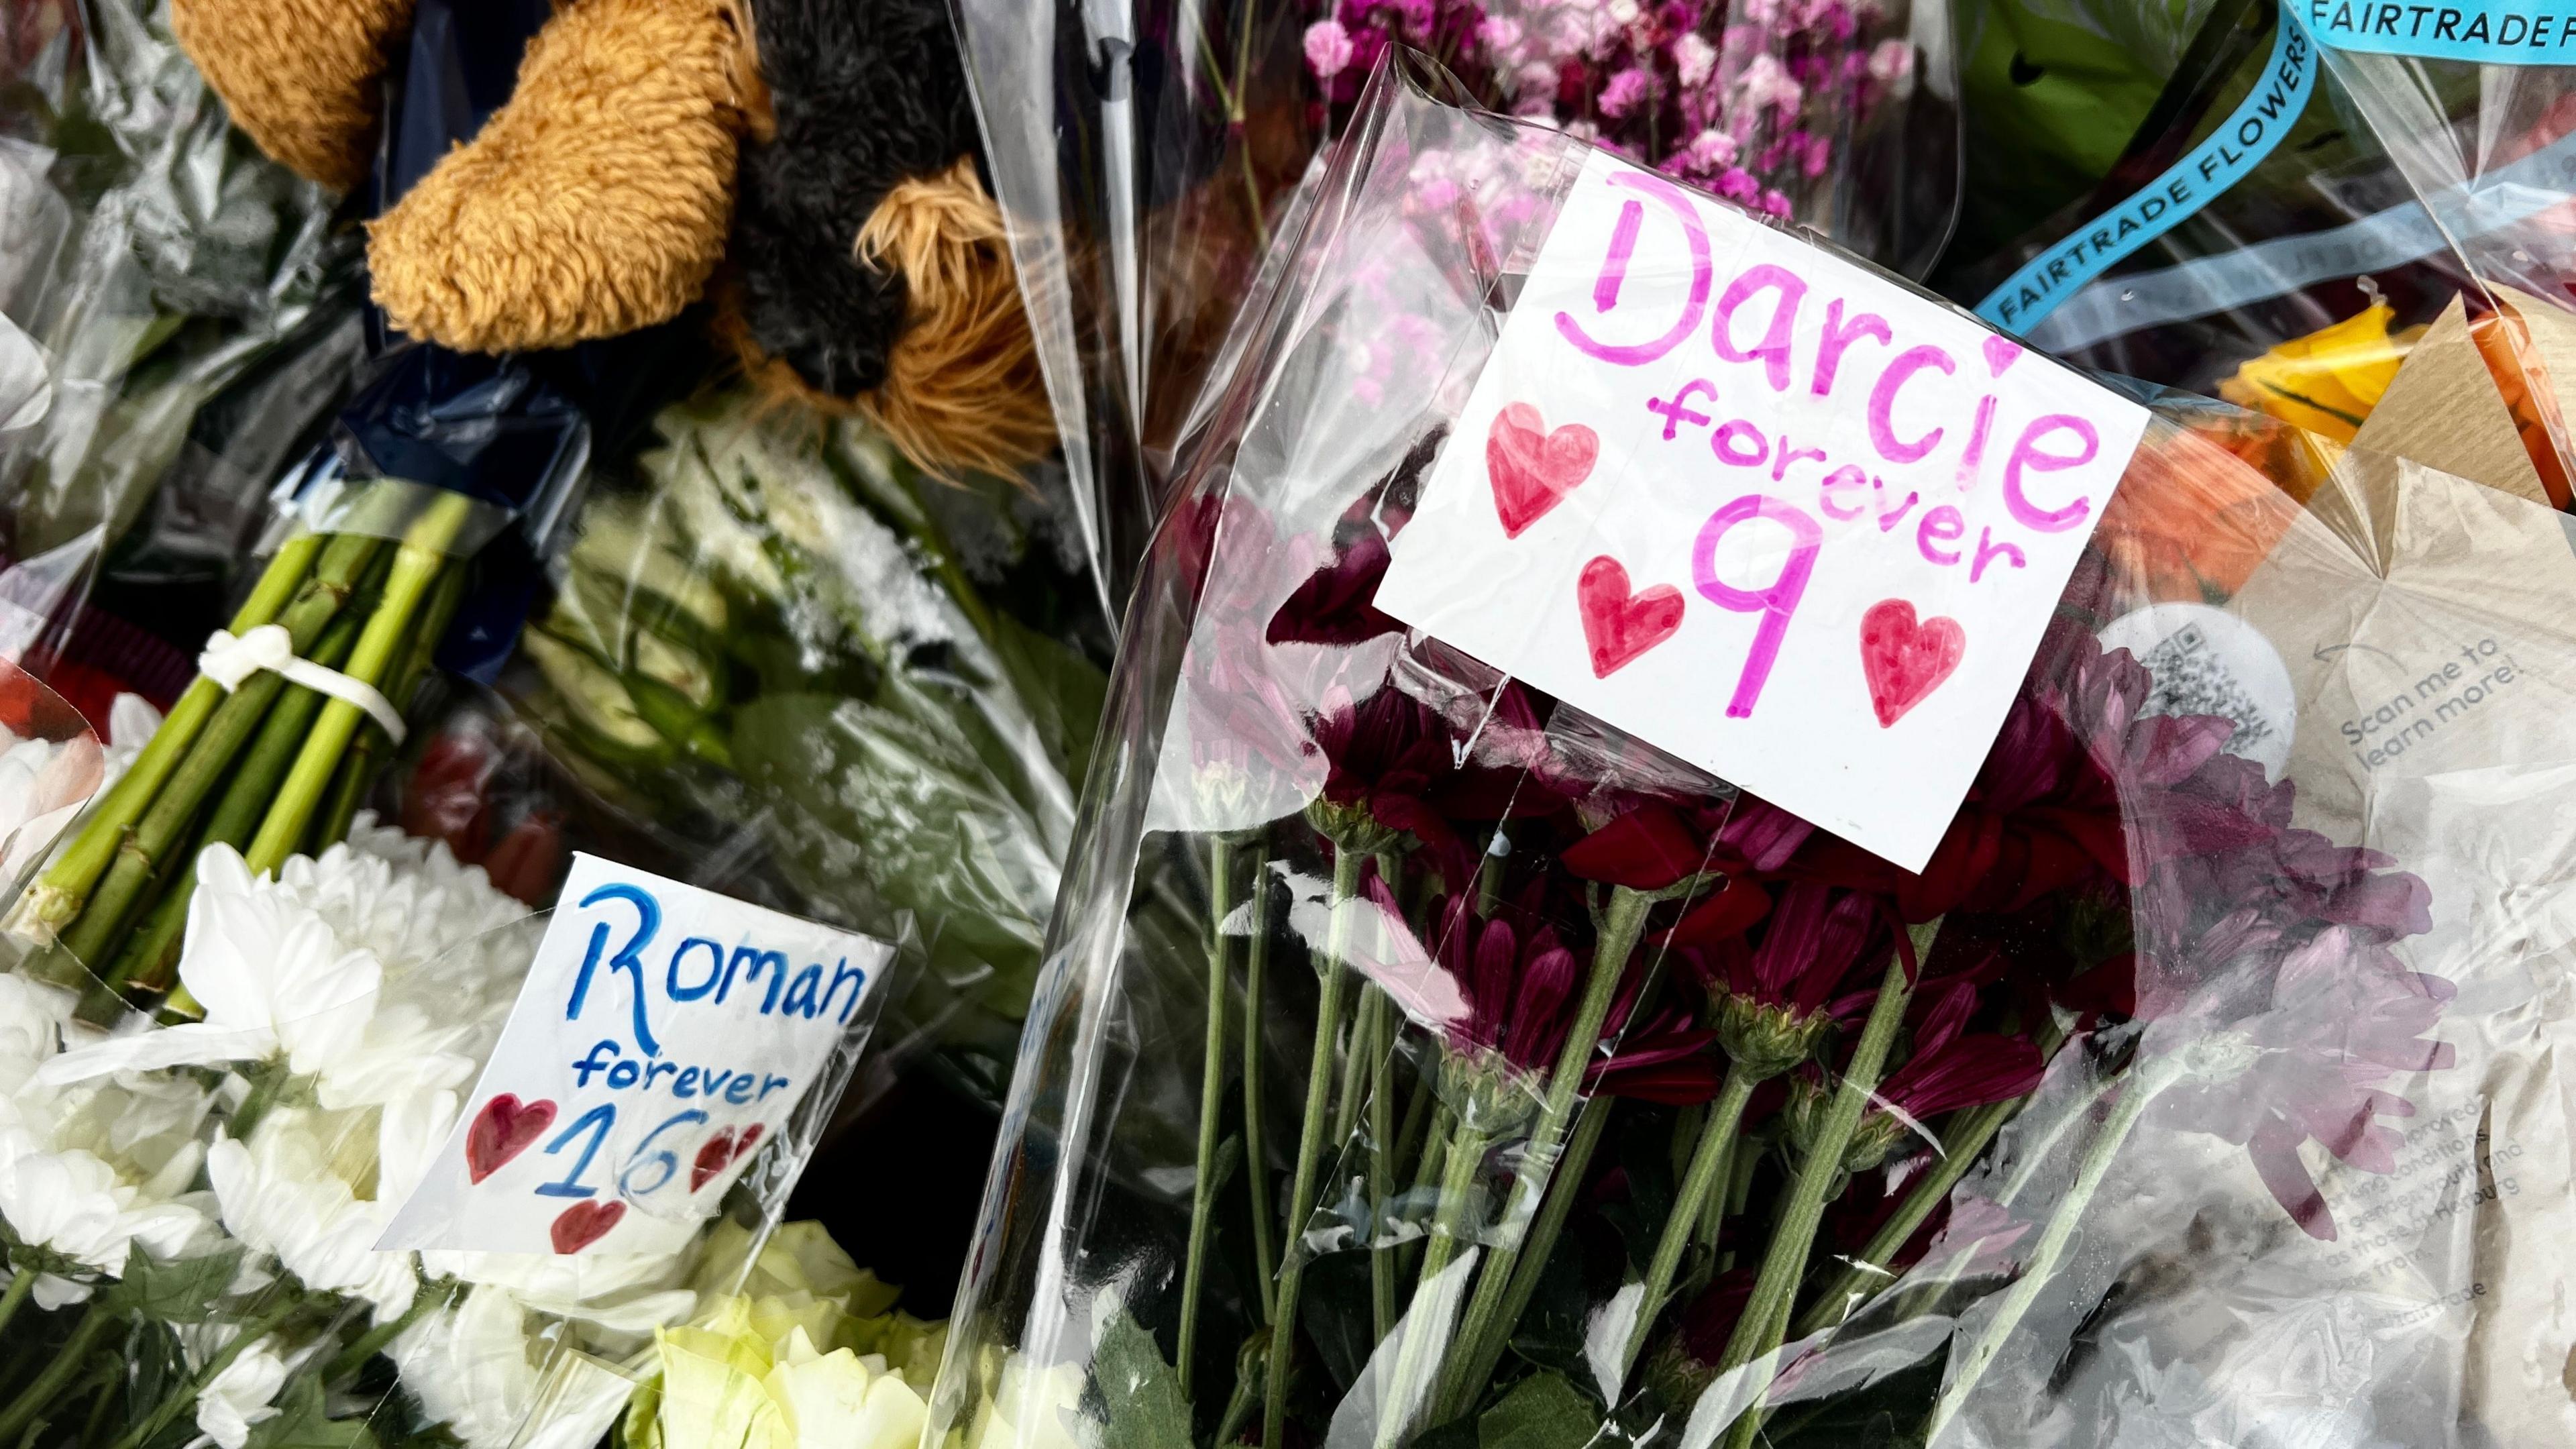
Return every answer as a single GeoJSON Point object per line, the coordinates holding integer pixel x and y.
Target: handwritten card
{"type": "Point", "coordinates": [1762, 507]}
{"type": "Point", "coordinates": [664, 1034]}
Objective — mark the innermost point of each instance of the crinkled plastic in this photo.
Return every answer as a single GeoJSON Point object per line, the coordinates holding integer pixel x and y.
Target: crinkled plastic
{"type": "Point", "coordinates": [1139, 149]}
{"type": "Point", "coordinates": [2184, 1098]}
{"type": "Point", "coordinates": [2480, 145]}
{"type": "Point", "coordinates": [177, 316]}
{"type": "Point", "coordinates": [1146, 156]}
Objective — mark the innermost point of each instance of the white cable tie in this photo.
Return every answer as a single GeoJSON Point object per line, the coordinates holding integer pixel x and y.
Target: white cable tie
{"type": "Point", "coordinates": [229, 662]}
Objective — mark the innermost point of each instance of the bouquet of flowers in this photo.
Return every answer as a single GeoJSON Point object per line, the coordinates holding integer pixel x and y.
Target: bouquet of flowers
{"type": "Point", "coordinates": [1551, 1091]}
{"type": "Point", "coordinates": [191, 1212]}
{"type": "Point", "coordinates": [787, 646]}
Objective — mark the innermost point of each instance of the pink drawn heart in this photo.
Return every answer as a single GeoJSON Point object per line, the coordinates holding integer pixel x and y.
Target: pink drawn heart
{"type": "Point", "coordinates": [1533, 469]}
{"type": "Point", "coordinates": [1903, 660]}
{"type": "Point", "coordinates": [501, 1131]}
{"type": "Point", "coordinates": [722, 1151]}
{"type": "Point", "coordinates": [1620, 625]}
{"type": "Point", "coordinates": [584, 1223]}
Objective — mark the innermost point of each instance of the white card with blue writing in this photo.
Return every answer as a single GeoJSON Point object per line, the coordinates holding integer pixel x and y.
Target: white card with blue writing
{"type": "Point", "coordinates": [665, 1033]}
{"type": "Point", "coordinates": [1762, 507]}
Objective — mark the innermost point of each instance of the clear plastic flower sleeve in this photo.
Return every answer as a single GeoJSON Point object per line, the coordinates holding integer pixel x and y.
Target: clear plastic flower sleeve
{"type": "Point", "coordinates": [1419, 1059]}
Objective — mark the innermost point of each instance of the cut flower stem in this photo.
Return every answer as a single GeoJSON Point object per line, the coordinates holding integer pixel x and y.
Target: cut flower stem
{"type": "Point", "coordinates": [1310, 1142]}
{"type": "Point", "coordinates": [1484, 1324]}
{"type": "Point", "coordinates": [1707, 1173]}
{"type": "Point", "coordinates": [2141, 1087]}
{"type": "Point", "coordinates": [1211, 1105]}
{"type": "Point", "coordinates": [1766, 1314]}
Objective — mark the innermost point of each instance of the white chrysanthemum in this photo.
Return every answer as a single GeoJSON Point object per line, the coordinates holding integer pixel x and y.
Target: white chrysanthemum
{"type": "Point", "coordinates": [31, 1023]}
{"type": "Point", "coordinates": [471, 1369]}
{"type": "Point", "coordinates": [280, 1196]}
{"type": "Point", "coordinates": [73, 1203]}
{"type": "Point", "coordinates": [148, 1126]}
{"type": "Point", "coordinates": [242, 1395]}
{"type": "Point", "coordinates": [273, 978]}
{"type": "Point", "coordinates": [376, 969]}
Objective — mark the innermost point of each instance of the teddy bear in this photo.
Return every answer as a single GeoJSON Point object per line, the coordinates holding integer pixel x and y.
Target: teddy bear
{"type": "Point", "coordinates": [828, 146]}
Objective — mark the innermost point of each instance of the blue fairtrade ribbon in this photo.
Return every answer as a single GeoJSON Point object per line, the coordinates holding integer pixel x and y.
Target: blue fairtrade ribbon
{"type": "Point", "coordinates": [2250, 132]}
{"type": "Point", "coordinates": [2496, 32]}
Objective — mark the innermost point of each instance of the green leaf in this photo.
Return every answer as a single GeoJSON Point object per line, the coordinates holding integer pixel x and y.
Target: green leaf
{"type": "Point", "coordinates": [302, 1423]}
{"type": "Point", "coordinates": [1140, 1393]}
{"type": "Point", "coordinates": [183, 1290]}
{"type": "Point", "coordinates": [1542, 1412]}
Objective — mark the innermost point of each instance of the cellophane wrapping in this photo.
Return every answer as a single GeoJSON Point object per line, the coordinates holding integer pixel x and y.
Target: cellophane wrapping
{"type": "Point", "coordinates": [2201, 1089]}
{"type": "Point", "coordinates": [178, 317]}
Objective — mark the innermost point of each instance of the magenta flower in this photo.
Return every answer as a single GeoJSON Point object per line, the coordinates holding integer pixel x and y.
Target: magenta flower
{"type": "Point", "coordinates": [1628, 90]}
{"type": "Point", "coordinates": [1950, 1067]}
{"type": "Point", "coordinates": [1328, 49]}
{"type": "Point", "coordinates": [1516, 983]}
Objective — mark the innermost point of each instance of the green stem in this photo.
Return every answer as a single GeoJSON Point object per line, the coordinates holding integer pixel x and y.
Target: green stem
{"type": "Point", "coordinates": [2143, 1087]}
{"type": "Point", "coordinates": [1211, 1104]}
{"type": "Point", "coordinates": [1426, 1175]}
{"type": "Point", "coordinates": [357, 773]}
{"type": "Point", "coordinates": [150, 953]}
{"type": "Point", "coordinates": [267, 1083]}
{"type": "Point", "coordinates": [66, 1362]}
{"type": "Point", "coordinates": [145, 847]}
{"type": "Point", "coordinates": [1355, 1059]}
{"type": "Point", "coordinates": [1424, 1329]}
{"type": "Point", "coordinates": [1381, 1115]}
{"type": "Point", "coordinates": [22, 1282]}
{"type": "Point", "coordinates": [1739, 1195]}
{"type": "Point", "coordinates": [417, 564]}
{"type": "Point", "coordinates": [111, 1372]}
{"type": "Point", "coordinates": [2034, 1155]}
{"type": "Point", "coordinates": [429, 1299]}
{"type": "Point", "coordinates": [55, 900]}
{"type": "Point", "coordinates": [1239, 1405]}
{"type": "Point", "coordinates": [1766, 1314]}
{"type": "Point", "coordinates": [1310, 1144]}
{"type": "Point", "coordinates": [1621, 927]}
{"type": "Point", "coordinates": [1489, 874]}
{"type": "Point", "coordinates": [1681, 1227]}
{"type": "Point", "coordinates": [1256, 1159]}
{"type": "Point", "coordinates": [1460, 1387]}
{"type": "Point", "coordinates": [1861, 1280]}
{"type": "Point", "coordinates": [252, 1331]}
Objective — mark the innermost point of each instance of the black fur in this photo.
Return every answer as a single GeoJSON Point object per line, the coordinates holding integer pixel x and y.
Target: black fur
{"type": "Point", "coordinates": [866, 94]}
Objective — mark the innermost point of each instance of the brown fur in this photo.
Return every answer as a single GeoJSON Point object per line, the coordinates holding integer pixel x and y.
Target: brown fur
{"type": "Point", "coordinates": [962, 390]}
{"type": "Point", "coordinates": [302, 78]}
{"type": "Point", "coordinates": [597, 201]}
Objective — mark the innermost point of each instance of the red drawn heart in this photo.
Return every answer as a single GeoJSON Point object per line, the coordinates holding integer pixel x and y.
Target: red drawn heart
{"type": "Point", "coordinates": [1620, 625]}
{"type": "Point", "coordinates": [1533, 469]}
{"type": "Point", "coordinates": [721, 1151]}
{"type": "Point", "coordinates": [501, 1131]}
{"type": "Point", "coordinates": [714, 1155]}
{"type": "Point", "coordinates": [1905, 661]}
{"type": "Point", "coordinates": [584, 1223]}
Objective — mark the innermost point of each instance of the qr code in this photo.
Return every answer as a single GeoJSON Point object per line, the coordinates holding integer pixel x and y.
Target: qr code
{"type": "Point", "coordinates": [2192, 679]}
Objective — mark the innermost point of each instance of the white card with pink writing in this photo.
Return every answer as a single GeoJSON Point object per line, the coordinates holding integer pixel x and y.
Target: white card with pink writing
{"type": "Point", "coordinates": [1761, 507]}
{"type": "Point", "coordinates": [663, 1036]}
